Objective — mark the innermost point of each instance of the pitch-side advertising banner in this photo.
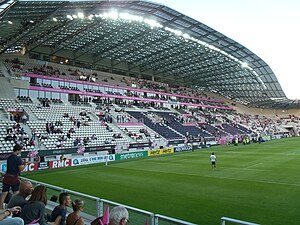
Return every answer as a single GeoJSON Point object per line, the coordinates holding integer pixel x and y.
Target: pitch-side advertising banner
{"type": "Point", "coordinates": [92, 159]}
{"type": "Point", "coordinates": [183, 148]}
{"type": "Point", "coordinates": [160, 151]}
{"type": "Point", "coordinates": [131, 155]}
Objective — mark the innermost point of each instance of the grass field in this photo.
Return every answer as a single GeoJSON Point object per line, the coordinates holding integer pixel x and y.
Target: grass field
{"type": "Point", "coordinates": [258, 183]}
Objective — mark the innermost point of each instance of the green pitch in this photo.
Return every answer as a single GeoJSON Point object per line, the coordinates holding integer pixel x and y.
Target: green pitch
{"type": "Point", "coordinates": [259, 183]}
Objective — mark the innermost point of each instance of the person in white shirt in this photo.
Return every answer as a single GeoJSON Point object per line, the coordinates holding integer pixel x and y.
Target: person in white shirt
{"type": "Point", "coordinates": [213, 159]}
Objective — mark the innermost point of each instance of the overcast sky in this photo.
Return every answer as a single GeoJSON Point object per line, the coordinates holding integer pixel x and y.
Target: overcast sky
{"type": "Point", "coordinates": [268, 28]}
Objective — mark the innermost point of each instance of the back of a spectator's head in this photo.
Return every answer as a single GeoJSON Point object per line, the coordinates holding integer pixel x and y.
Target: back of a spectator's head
{"type": "Point", "coordinates": [63, 197]}
{"type": "Point", "coordinates": [77, 205]}
{"type": "Point", "coordinates": [39, 194]}
{"type": "Point", "coordinates": [17, 147]}
{"type": "Point", "coordinates": [118, 216]}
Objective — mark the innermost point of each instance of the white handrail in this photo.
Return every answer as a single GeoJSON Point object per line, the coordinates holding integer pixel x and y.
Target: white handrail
{"type": "Point", "coordinates": [171, 219]}
{"type": "Point", "coordinates": [224, 219]}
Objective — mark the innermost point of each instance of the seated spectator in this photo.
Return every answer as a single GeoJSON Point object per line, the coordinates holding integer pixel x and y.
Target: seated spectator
{"type": "Point", "coordinates": [31, 142]}
{"type": "Point", "coordinates": [9, 137]}
{"type": "Point", "coordinates": [34, 211]}
{"type": "Point", "coordinates": [75, 218]}
{"type": "Point", "coordinates": [85, 123]}
{"type": "Point", "coordinates": [71, 130]}
{"type": "Point", "coordinates": [44, 136]}
{"type": "Point", "coordinates": [59, 144]}
{"type": "Point", "coordinates": [83, 113]}
{"type": "Point", "coordinates": [24, 118]}
{"type": "Point", "coordinates": [19, 199]}
{"type": "Point", "coordinates": [6, 219]}
{"type": "Point", "coordinates": [59, 213]}
{"type": "Point", "coordinates": [86, 140]}
{"type": "Point", "coordinates": [118, 216]}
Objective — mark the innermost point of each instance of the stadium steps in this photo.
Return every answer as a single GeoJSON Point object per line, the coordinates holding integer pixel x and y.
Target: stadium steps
{"type": "Point", "coordinates": [119, 130]}
{"type": "Point", "coordinates": [6, 88]}
{"type": "Point", "coordinates": [4, 115]}
{"type": "Point", "coordinates": [30, 114]}
{"type": "Point", "coordinates": [3, 69]}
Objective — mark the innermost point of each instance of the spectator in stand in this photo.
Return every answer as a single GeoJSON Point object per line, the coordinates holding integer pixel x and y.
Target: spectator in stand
{"type": "Point", "coordinates": [5, 217]}
{"type": "Point", "coordinates": [24, 118]}
{"type": "Point", "coordinates": [118, 216]}
{"type": "Point", "coordinates": [11, 178]}
{"type": "Point", "coordinates": [59, 213]}
{"type": "Point", "coordinates": [34, 211]}
{"type": "Point", "coordinates": [75, 218]}
{"type": "Point", "coordinates": [20, 199]}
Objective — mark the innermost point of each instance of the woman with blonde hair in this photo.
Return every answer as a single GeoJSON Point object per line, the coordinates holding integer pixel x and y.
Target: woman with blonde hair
{"type": "Point", "coordinates": [75, 218]}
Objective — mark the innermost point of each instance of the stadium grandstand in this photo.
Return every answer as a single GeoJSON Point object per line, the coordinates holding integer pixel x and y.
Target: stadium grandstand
{"type": "Point", "coordinates": [84, 78]}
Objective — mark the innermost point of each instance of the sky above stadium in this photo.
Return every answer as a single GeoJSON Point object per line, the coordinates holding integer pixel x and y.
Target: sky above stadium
{"type": "Point", "coordinates": [268, 28]}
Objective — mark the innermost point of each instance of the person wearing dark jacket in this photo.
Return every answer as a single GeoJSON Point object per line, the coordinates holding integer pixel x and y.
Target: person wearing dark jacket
{"type": "Point", "coordinates": [11, 177]}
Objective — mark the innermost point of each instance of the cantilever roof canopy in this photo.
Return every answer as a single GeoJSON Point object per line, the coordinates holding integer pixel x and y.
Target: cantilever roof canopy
{"type": "Point", "coordinates": [140, 37]}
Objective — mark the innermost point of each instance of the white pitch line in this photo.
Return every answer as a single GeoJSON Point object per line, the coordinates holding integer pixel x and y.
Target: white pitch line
{"type": "Point", "coordinates": [258, 181]}
{"type": "Point", "coordinates": [253, 165]}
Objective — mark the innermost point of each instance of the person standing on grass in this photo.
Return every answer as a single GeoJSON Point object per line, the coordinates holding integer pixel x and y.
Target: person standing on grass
{"type": "Point", "coordinates": [213, 159]}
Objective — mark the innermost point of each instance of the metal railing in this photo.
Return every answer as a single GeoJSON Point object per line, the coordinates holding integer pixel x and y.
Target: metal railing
{"type": "Point", "coordinates": [95, 207]}
{"type": "Point", "coordinates": [224, 219]}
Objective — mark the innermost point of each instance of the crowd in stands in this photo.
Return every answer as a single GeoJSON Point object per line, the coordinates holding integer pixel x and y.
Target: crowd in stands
{"type": "Point", "coordinates": [186, 119]}
{"type": "Point", "coordinates": [55, 70]}
{"type": "Point", "coordinates": [209, 124]}
{"type": "Point", "coordinates": [30, 204]}
{"type": "Point", "coordinates": [24, 99]}
{"type": "Point", "coordinates": [16, 134]}
{"type": "Point", "coordinates": [208, 120]}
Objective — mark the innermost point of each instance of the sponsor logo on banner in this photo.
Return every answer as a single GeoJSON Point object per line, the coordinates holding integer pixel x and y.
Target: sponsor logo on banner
{"type": "Point", "coordinates": [131, 155]}
{"type": "Point", "coordinates": [153, 152]}
{"type": "Point", "coordinates": [160, 151]}
{"type": "Point", "coordinates": [92, 159]}
{"type": "Point", "coordinates": [43, 165]}
{"type": "Point", "coordinates": [59, 163]}
{"type": "Point", "coordinates": [30, 167]}
{"type": "Point", "coordinates": [183, 148]}
{"type": "Point", "coordinates": [3, 167]}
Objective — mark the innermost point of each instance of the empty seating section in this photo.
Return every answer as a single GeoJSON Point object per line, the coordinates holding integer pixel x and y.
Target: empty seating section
{"type": "Point", "coordinates": [8, 103]}
{"type": "Point", "coordinates": [212, 130]}
{"type": "Point", "coordinates": [232, 130]}
{"type": "Point", "coordinates": [184, 130]}
{"type": "Point", "coordinates": [164, 130]}
{"type": "Point", "coordinates": [139, 133]}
